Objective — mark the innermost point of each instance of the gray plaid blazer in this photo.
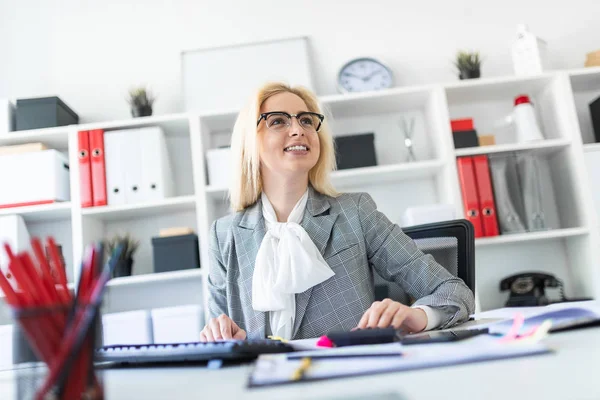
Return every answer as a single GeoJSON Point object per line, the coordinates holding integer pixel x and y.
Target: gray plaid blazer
{"type": "Point", "coordinates": [354, 239]}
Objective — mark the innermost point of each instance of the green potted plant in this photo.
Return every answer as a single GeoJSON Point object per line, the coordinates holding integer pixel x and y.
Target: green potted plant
{"type": "Point", "coordinates": [140, 100]}
{"type": "Point", "coordinates": [124, 265]}
{"type": "Point", "coordinates": [468, 64]}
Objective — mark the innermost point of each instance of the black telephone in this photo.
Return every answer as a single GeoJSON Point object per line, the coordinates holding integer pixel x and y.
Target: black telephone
{"type": "Point", "coordinates": [528, 289]}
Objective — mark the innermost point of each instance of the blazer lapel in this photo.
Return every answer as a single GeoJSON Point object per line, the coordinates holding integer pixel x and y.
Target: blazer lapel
{"type": "Point", "coordinates": [318, 223]}
{"type": "Point", "coordinates": [249, 233]}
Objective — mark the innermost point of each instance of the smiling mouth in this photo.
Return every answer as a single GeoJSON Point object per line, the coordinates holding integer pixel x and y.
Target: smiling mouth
{"type": "Point", "coordinates": [296, 148]}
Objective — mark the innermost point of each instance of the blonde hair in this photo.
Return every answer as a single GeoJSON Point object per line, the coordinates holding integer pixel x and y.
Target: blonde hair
{"type": "Point", "coordinates": [246, 184]}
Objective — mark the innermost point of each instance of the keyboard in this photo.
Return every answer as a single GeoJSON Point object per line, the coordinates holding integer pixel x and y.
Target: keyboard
{"type": "Point", "coordinates": [236, 350]}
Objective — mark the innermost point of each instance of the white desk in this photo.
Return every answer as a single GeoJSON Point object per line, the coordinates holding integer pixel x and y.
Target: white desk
{"type": "Point", "coordinates": [569, 373]}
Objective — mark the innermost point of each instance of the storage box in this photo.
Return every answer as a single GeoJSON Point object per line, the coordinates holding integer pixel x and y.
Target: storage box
{"type": "Point", "coordinates": [43, 112]}
{"type": "Point", "coordinates": [178, 324]}
{"type": "Point", "coordinates": [21, 349]}
{"type": "Point", "coordinates": [174, 253]}
{"type": "Point", "coordinates": [131, 327]}
{"type": "Point", "coordinates": [426, 214]}
{"type": "Point", "coordinates": [355, 151]}
{"type": "Point", "coordinates": [487, 140]}
{"type": "Point", "coordinates": [7, 116]}
{"type": "Point", "coordinates": [464, 139]}
{"type": "Point", "coordinates": [219, 166]}
{"type": "Point", "coordinates": [6, 353]}
{"type": "Point", "coordinates": [593, 59]}
{"type": "Point", "coordinates": [13, 232]}
{"type": "Point", "coordinates": [35, 178]}
{"type": "Point", "coordinates": [595, 114]}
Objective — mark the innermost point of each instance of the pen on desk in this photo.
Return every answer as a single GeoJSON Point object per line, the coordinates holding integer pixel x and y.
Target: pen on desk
{"type": "Point", "coordinates": [300, 372]}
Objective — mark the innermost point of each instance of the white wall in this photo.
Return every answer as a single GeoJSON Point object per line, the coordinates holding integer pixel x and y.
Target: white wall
{"type": "Point", "coordinates": [90, 52]}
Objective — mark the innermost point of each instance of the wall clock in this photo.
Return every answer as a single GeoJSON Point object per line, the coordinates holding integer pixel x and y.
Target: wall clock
{"type": "Point", "coordinates": [364, 74]}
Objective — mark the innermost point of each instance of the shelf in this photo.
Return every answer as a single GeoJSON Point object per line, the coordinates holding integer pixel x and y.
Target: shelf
{"type": "Point", "coordinates": [41, 212]}
{"type": "Point", "coordinates": [365, 175]}
{"type": "Point", "coordinates": [161, 277]}
{"type": "Point", "coordinates": [386, 173]}
{"type": "Point", "coordinates": [495, 89]}
{"type": "Point", "coordinates": [55, 138]}
{"type": "Point", "coordinates": [126, 211]}
{"type": "Point", "coordinates": [591, 147]}
{"type": "Point", "coordinates": [531, 236]}
{"type": "Point", "coordinates": [376, 102]}
{"type": "Point", "coordinates": [584, 79]}
{"type": "Point", "coordinates": [172, 124]}
{"type": "Point", "coordinates": [543, 146]}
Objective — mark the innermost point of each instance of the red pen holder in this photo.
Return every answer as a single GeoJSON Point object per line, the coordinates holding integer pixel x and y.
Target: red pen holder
{"type": "Point", "coordinates": [46, 330]}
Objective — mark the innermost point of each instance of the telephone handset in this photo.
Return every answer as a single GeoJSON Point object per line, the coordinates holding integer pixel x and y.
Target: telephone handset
{"type": "Point", "coordinates": [528, 289]}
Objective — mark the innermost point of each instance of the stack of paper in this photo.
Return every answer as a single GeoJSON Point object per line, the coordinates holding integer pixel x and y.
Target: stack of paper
{"type": "Point", "coordinates": [562, 315]}
{"type": "Point", "coordinates": [365, 360]}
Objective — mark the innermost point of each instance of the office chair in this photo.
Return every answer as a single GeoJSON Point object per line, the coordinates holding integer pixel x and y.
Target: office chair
{"type": "Point", "coordinates": [452, 245]}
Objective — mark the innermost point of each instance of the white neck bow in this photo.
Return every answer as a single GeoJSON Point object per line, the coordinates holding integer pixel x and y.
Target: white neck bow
{"type": "Point", "coordinates": [287, 262]}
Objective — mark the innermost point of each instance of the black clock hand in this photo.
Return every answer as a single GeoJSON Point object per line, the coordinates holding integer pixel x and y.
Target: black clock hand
{"type": "Point", "coordinates": [352, 75]}
{"type": "Point", "coordinates": [372, 75]}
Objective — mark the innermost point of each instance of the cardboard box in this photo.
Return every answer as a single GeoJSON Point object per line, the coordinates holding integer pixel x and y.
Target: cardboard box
{"type": "Point", "coordinates": [593, 59]}
{"type": "Point", "coordinates": [487, 140]}
{"type": "Point", "coordinates": [22, 148]}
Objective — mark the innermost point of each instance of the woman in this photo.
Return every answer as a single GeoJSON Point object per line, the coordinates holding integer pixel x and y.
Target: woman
{"type": "Point", "coordinates": [295, 259]}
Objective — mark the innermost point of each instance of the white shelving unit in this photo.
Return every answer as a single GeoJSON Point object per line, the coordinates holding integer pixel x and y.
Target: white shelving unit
{"type": "Point", "coordinates": [570, 250]}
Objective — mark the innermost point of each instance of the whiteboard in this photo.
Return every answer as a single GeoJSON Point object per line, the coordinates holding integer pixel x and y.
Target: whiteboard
{"type": "Point", "coordinates": [226, 77]}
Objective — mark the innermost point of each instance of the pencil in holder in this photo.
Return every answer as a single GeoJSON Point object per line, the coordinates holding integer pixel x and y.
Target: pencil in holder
{"type": "Point", "coordinates": [51, 331]}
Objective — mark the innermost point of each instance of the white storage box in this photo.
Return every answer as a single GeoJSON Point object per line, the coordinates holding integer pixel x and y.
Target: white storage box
{"type": "Point", "coordinates": [427, 214]}
{"type": "Point", "coordinates": [33, 178]}
{"type": "Point", "coordinates": [177, 324]}
{"type": "Point", "coordinates": [13, 231]}
{"type": "Point", "coordinates": [6, 346]}
{"type": "Point", "coordinates": [7, 116]}
{"type": "Point", "coordinates": [131, 327]}
{"type": "Point", "coordinates": [219, 167]}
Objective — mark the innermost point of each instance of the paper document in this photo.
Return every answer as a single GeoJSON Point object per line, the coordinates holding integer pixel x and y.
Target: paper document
{"type": "Point", "coordinates": [278, 369]}
{"type": "Point", "coordinates": [387, 349]}
{"type": "Point", "coordinates": [510, 312]}
{"type": "Point", "coordinates": [561, 318]}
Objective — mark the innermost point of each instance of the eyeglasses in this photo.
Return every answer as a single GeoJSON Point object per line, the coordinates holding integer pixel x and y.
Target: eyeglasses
{"type": "Point", "coordinates": [280, 121]}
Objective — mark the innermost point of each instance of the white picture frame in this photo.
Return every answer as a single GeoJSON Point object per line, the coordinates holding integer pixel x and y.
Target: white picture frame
{"type": "Point", "coordinates": [224, 77]}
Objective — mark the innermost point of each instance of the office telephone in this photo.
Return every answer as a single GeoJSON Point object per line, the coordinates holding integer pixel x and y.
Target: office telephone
{"type": "Point", "coordinates": [528, 289]}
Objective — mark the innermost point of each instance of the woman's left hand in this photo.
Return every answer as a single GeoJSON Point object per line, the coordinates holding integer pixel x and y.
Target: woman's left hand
{"type": "Point", "coordinates": [389, 313]}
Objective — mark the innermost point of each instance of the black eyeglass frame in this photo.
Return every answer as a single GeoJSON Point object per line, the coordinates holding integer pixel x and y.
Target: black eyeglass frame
{"type": "Point", "coordinates": [264, 116]}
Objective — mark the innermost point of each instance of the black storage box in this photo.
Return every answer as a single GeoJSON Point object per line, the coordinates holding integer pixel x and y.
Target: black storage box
{"type": "Point", "coordinates": [174, 253]}
{"type": "Point", "coordinates": [355, 151]}
{"type": "Point", "coordinates": [464, 139]}
{"type": "Point", "coordinates": [595, 114]}
{"type": "Point", "coordinates": [43, 112]}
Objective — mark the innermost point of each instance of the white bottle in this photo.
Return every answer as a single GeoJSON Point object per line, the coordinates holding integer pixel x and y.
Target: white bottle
{"type": "Point", "coordinates": [529, 53]}
{"type": "Point", "coordinates": [525, 121]}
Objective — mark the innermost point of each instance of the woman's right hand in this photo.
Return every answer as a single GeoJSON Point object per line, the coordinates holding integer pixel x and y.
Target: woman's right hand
{"type": "Point", "coordinates": [221, 328]}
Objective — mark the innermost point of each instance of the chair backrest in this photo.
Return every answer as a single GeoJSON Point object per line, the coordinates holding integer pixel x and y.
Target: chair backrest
{"type": "Point", "coordinates": [452, 245]}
